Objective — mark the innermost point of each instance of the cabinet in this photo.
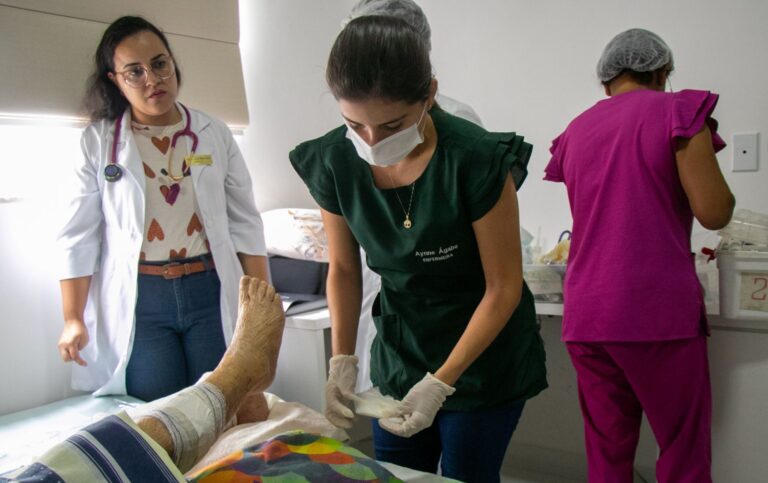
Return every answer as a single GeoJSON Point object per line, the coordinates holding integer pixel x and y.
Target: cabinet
{"type": "Point", "coordinates": [302, 365]}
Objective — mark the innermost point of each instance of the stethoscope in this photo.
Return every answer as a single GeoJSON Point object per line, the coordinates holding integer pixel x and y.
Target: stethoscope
{"type": "Point", "coordinates": [113, 171]}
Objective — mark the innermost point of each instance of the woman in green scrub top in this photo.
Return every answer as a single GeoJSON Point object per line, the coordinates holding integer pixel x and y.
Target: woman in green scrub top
{"type": "Point", "coordinates": [432, 200]}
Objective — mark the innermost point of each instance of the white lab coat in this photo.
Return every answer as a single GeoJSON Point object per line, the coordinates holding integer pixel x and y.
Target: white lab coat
{"type": "Point", "coordinates": [103, 235]}
{"type": "Point", "coordinates": [458, 108]}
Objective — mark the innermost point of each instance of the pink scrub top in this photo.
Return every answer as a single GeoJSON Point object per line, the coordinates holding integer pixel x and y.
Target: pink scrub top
{"type": "Point", "coordinates": [630, 275]}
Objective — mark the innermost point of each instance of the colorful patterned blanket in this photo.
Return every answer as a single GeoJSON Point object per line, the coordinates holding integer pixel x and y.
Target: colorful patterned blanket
{"type": "Point", "coordinates": [295, 457]}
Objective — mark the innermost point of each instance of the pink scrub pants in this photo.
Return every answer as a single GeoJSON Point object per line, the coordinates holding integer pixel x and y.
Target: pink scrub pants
{"type": "Point", "coordinates": [669, 381]}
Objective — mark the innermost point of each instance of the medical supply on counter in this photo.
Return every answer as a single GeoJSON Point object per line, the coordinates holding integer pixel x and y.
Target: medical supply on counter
{"type": "Point", "coordinates": [545, 273]}
{"type": "Point", "coordinates": [747, 226]}
{"type": "Point", "coordinates": [526, 238]}
{"type": "Point", "coordinates": [709, 277]}
{"type": "Point", "coordinates": [743, 282]}
{"type": "Point", "coordinates": [559, 254]}
{"type": "Point", "coordinates": [545, 281]}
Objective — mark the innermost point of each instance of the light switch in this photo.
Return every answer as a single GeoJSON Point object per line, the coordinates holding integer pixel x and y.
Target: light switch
{"type": "Point", "coordinates": [745, 152]}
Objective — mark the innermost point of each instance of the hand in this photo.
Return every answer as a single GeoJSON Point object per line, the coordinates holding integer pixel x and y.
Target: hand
{"type": "Point", "coordinates": [340, 390]}
{"type": "Point", "coordinates": [418, 408]}
{"type": "Point", "coordinates": [73, 339]}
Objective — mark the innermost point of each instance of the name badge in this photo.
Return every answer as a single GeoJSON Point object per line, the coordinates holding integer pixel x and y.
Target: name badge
{"type": "Point", "coordinates": [199, 160]}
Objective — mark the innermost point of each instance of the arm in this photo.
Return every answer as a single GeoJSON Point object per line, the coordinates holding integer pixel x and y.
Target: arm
{"type": "Point", "coordinates": [344, 285]}
{"type": "Point", "coordinates": [79, 242]}
{"type": "Point", "coordinates": [498, 239]}
{"type": "Point", "coordinates": [254, 266]}
{"type": "Point", "coordinates": [74, 336]}
{"type": "Point", "coordinates": [344, 292]}
{"type": "Point", "coordinates": [711, 200]}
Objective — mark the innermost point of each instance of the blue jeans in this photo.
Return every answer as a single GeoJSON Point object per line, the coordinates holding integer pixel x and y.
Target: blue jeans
{"type": "Point", "coordinates": [178, 335]}
{"type": "Point", "coordinates": [472, 443]}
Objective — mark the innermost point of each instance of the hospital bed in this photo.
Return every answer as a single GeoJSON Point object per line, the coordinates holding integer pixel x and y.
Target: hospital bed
{"type": "Point", "coordinates": [24, 435]}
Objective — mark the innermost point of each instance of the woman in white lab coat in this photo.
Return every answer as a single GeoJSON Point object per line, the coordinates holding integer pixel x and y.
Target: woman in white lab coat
{"type": "Point", "coordinates": [160, 229]}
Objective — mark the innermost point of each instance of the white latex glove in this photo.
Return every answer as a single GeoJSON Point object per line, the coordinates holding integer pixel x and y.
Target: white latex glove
{"type": "Point", "coordinates": [418, 408]}
{"type": "Point", "coordinates": [340, 390]}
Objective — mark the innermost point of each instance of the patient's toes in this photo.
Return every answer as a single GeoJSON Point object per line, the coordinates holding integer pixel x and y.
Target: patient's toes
{"type": "Point", "coordinates": [253, 284]}
{"type": "Point", "coordinates": [272, 295]}
{"type": "Point", "coordinates": [245, 281]}
{"type": "Point", "coordinates": [261, 288]}
{"type": "Point", "coordinates": [265, 300]}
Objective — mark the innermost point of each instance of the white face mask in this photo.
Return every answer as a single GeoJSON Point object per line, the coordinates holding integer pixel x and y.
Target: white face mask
{"type": "Point", "coordinates": [390, 150]}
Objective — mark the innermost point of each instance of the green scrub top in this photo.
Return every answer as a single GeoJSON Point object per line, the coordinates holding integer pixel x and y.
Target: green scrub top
{"type": "Point", "coordinates": [431, 274]}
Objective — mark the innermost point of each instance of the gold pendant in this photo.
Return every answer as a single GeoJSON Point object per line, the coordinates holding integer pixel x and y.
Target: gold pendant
{"type": "Point", "coordinates": [407, 223]}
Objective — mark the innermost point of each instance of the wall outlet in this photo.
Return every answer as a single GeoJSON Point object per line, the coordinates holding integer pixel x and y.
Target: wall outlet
{"type": "Point", "coordinates": [745, 152]}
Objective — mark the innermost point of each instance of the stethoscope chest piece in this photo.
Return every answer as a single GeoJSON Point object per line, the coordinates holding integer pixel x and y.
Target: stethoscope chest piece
{"type": "Point", "coordinates": [113, 172]}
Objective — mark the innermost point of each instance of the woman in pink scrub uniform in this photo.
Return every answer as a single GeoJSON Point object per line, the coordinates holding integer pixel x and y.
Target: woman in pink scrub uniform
{"type": "Point", "coordinates": [638, 167]}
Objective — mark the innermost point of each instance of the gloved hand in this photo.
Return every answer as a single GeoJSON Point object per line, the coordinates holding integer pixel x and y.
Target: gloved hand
{"type": "Point", "coordinates": [418, 408]}
{"type": "Point", "coordinates": [340, 390]}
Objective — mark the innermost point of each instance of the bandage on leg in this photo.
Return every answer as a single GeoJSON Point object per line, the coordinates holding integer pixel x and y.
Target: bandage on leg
{"type": "Point", "coordinates": [194, 418]}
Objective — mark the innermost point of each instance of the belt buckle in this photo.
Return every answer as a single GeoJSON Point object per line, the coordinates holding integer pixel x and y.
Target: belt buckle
{"type": "Point", "coordinates": [166, 271]}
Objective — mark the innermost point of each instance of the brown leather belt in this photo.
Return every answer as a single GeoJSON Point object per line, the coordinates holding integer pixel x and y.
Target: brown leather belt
{"type": "Point", "coordinates": [175, 269]}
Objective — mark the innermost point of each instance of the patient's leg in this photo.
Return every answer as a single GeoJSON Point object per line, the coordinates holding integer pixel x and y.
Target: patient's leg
{"type": "Point", "coordinates": [246, 370]}
{"type": "Point", "coordinates": [253, 409]}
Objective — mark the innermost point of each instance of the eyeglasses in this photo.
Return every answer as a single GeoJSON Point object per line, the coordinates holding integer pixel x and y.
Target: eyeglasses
{"type": "Point", "coordinates": [136, 76]}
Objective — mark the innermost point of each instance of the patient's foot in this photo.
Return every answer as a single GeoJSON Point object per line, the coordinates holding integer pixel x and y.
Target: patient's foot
{"type": "Point", "coordinates": [250, 362]}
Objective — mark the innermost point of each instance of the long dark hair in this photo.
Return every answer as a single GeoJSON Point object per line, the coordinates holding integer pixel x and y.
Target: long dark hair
{"type": "Point", "coordinates": [103, 99]}
{"type": "Point", "coordinates": [379, 57]}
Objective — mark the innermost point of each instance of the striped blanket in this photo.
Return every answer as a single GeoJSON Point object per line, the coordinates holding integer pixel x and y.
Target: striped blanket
{"type": "Point", "coordinates": [113, 449]}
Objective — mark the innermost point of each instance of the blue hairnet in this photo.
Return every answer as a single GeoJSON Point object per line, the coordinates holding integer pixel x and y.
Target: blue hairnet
{"type": "Point", "coordinates": [406, 10]}
{"type": "Point", "coordinates": [635, 49]}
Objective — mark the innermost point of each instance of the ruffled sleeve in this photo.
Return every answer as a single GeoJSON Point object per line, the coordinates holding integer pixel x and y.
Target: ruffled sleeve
{"type": "Point", "coordinates": [690, 110]}
{"type": "Point", "coordinates": [499, 154]}
{"type": "Point", "coordinates": [307, 160]}
{"type": "Point", "coordinates": [554, 170]}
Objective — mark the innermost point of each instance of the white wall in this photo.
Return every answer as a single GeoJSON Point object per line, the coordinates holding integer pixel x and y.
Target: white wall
{"type": "Point", "coordinates": [284, 45]}
{"type": "Point", "coordinates": [524, 66]}
{"type": "Point", "coordinates": [31, 371]}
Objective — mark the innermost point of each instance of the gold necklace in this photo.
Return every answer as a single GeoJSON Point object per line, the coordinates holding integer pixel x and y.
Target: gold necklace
{"type": "Point", "coordinates": [407, 223]}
